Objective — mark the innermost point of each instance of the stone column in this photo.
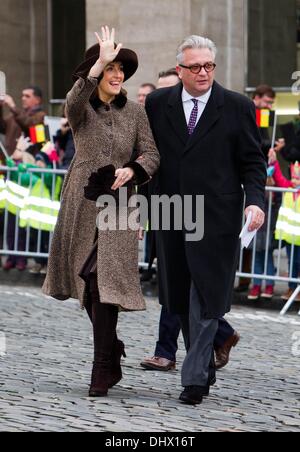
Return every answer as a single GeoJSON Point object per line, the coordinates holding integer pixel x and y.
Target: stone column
{"type": "Point", "coordinates": [224, 22]}
{"type": "Point", "coordinates": [23, 50]}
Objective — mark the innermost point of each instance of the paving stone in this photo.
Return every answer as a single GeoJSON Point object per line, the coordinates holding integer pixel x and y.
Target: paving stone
{"type": "Point", "coordinates": [46, 371]}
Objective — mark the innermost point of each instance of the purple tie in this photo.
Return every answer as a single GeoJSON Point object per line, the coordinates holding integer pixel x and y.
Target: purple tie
{"type": "Point", "coordinates": [193, 117]}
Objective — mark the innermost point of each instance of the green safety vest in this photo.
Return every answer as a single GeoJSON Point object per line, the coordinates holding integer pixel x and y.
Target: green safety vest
{"type": "Point", "coordinates": [12, 196]}
{"type": "Point", "coordinates": [40, 211]}
{"type": "Point", "coordinates": [34, 206]}
{"type": "Point", "coordinates": [288, 222]}
{"type": "Point", "coordinates": [2, 188]}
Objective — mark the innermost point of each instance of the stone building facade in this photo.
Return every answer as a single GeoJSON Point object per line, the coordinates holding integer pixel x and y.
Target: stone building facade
{"type": "Point", "coordinates": [43, 40]}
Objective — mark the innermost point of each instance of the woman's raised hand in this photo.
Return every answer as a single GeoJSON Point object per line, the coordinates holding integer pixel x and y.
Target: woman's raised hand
{"type": "Point", "coordinates": [108, 52]}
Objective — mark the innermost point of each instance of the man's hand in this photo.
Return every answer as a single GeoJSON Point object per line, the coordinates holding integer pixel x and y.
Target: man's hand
{"type": "Point", "coordinates": [279, 145]}
{"type": "Point", "coordinates": [9, 102]}
{"type": "Point", "coordinates": [258, 217]}
{"type": "Point", "coordinates": [123, 176]}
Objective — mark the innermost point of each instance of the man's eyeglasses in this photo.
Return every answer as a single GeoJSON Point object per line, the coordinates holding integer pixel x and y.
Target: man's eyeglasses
{"type": "Point", "coordinates": [197, 68]}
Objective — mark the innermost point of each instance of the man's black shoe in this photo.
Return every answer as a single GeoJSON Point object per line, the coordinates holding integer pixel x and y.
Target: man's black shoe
{"type": "Point", "coordinates": [193, 395]}
{"type": "Point", "coordinates": [205, 389]}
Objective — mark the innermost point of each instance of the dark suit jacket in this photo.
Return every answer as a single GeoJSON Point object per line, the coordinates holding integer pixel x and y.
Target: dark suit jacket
{"type": "Point", "coordinates": [223, 154]}
{"type": "Point", "coordinates": [291, 152]}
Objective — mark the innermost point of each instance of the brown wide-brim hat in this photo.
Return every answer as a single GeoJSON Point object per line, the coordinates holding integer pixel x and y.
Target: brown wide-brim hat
{"type": "Point", "coordinates": [127, 57]}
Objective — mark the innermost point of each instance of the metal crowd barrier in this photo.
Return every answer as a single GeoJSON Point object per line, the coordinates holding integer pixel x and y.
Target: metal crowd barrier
{"type": "Point", "coordinates": [28, 211]}
{"type": "Point", "coordinates": [25, 231]}
{"type": "Point", "coordinates": [278, 251]}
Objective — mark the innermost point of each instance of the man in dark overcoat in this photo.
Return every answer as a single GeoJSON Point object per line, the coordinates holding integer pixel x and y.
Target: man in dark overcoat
{"type": "Point", "coordinates": [209, 145]}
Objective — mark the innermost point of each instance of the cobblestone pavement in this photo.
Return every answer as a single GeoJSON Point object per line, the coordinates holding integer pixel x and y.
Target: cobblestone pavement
{"type": "Point", "coordinates": [46, 370]}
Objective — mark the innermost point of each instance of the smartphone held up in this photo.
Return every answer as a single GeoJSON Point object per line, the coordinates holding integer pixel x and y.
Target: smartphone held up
{"type": "Point", "coordinates": [2, 86]}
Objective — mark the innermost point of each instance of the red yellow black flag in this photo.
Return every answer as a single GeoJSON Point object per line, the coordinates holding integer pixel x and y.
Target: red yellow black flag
{"type": "Point", "coordinates": [265, 118]}
{"type": "Point", "coordinates": [39, 134]}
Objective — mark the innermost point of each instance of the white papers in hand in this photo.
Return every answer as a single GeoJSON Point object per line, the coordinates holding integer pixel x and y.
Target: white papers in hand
{"type": "Point", "coordinates": [246, 236]}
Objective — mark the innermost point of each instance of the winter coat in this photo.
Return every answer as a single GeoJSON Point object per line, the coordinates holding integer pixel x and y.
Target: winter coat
{"type": "Point", "coordinates": [103, 134]}
{"type": "Point", "coordinates": [222, 154]}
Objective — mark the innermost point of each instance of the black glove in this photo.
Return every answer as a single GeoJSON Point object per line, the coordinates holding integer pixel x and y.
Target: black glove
{"type": "Point", "coordinates": [100, 183]}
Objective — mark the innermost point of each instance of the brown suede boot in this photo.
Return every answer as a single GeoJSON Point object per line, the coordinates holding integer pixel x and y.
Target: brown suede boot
{"type": "Point", "coordinates": [105, 318]}
{"type": "Point", "coordinates": [117, 353]}
{"type": "Point", "coordinates": [101, 377]}
{"type": "Point", "coordinates": [116, 370]}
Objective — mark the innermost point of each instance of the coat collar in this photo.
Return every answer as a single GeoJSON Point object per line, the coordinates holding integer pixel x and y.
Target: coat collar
{"type": "Point", "coordinates": [209, 117]}
{"type": "Point", "coordinates": [120, 101]}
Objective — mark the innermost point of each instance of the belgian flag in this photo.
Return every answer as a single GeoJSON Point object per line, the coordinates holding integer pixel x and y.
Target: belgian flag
{"type": "Point", "coordinates": [265, 118]}
{"type": "Point", "coordinates": [39, 134]}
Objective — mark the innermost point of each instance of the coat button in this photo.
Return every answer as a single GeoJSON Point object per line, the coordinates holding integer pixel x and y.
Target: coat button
{"type": "Point", "coordinates": [109, 123]}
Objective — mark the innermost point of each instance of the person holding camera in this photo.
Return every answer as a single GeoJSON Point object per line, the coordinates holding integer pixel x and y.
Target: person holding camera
{"type": "Point", "coordinates": [20, 120]}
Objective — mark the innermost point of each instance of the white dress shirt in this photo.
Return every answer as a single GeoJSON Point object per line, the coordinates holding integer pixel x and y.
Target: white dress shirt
{"type": "Point", "coordinates": [188, 104]}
